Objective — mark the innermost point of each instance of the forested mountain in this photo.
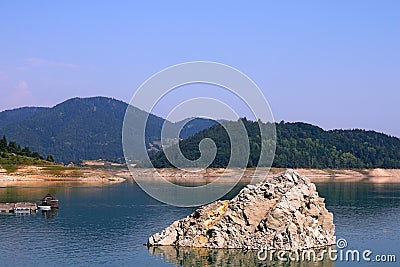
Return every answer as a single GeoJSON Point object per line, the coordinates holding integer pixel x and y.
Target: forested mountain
{"type": "Point", "coordinates": [193, 125]}
{"type": "Point", "coordinates": [82, 128]}
{"type": "Point", "coordinates": [304, 145]}
{"type": "Point", "coordinates": [75, 129]}
{"type": "Point", "coordinates": [19, 114]}
{"type": "Point", "coordinates": [301, 145]}
{"type": "Point", "coordinates": [91, 128]}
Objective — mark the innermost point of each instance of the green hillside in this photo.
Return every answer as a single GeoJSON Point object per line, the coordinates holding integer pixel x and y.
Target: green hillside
{"type": "Point", "coordinates": [84, 128]}
{"type": "Point", "coordinates": [11, 155]}
{"type": "Point", "coordinates": [13, 116]}
{"type": "Point", "coordinates": [73, 130]}
{"type": "Point", "coordinates": [91, 128]}
{"type": "Point", "coordinates": [301, 145]}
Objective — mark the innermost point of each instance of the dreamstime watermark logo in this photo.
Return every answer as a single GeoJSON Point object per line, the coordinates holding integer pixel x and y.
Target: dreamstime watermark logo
{"type": "Point", "coordinates": [135, 139]}
{"type": "Point", "coordinates": [340, 252]}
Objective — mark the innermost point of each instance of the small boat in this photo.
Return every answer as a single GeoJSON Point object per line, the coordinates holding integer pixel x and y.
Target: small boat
{"type": "Point", "coordinates": [51, 201]}
{"type": "Point", "coordinates": [44, 207]}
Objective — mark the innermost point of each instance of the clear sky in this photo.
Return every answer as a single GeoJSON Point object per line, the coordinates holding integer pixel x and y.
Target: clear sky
{"type": "Point", "coordinates": [335, 64]}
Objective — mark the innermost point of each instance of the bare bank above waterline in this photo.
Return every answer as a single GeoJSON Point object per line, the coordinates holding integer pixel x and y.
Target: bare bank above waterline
{"type": "Point", "coordinates": [46, 176]}
{"type": "Point", "coordinates": [55, 175]}
{"type": "Point", "coordinates": [229, 175]}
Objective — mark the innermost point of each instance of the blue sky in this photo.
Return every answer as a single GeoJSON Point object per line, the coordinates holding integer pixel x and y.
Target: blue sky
{"type": "Point", "coordinates": [335, 64]}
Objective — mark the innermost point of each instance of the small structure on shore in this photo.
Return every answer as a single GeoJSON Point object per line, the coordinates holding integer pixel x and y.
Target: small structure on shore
{"type": "Point", "coordinates": [51, 201]}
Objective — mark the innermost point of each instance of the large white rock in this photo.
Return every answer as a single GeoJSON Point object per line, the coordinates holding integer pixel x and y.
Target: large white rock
{"type": "Point", "coordinates": [282, 213]}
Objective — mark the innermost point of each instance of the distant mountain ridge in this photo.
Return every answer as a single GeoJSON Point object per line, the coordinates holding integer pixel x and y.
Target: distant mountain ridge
{"type": "Point", "coordinates": [91, 128]}
{"type": "Point", "coordinates": [19, 114]}
{"type": "Point", "coordinates": [298, 145]}
{"type": "Point", "coordinates": [81, 128]}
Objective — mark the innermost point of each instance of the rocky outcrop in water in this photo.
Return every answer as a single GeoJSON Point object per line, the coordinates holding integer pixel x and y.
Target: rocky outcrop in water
{"type": "Point", "coordinates": [283, 213]}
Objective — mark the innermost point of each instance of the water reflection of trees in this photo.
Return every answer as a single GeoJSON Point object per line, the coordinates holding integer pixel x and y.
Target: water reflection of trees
{"type": "Point", "coordinates": [365, 195]}
{"type": "Point", "coordinates": [224, 257]}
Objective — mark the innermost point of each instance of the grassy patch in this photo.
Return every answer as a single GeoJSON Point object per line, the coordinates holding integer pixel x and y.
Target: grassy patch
{"type": "Point", "coordinates": [60, 168]}
{"type": "Point", "coordinates": [54, 172]}
{"type": "Point", "coordinates": [62, 171]}
{"type": "Point", "coordinates": [12, 159]}
{"type": "Point", "coordinates": [76, 174]}
{"type": "Point", "coordinates": [107, 167]}
{"type": "Point", "coordinates": [330, 172]}
{"type": "Point", "coordinates": [10, 168]}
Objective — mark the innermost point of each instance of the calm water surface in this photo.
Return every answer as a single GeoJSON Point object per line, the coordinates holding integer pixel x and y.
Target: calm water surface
{"type": "Point", "coordinates": [108, 226]}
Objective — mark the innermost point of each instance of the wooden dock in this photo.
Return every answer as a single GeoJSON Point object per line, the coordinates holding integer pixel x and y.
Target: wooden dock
{"type": "Point", "coordinates": [18, 207]}
{"type": "Point", "coordinates": [7, 207]}
{"type": "Point", "coordinates": [48, 202]}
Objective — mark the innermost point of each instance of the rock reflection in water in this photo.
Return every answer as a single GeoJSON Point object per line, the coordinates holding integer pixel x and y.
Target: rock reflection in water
{"type": "Point", "coordinates": [184, 256]}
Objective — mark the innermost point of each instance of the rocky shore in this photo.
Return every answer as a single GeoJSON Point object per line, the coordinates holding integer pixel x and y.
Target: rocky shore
{"type": "Point", "coordinates": [283, 213]}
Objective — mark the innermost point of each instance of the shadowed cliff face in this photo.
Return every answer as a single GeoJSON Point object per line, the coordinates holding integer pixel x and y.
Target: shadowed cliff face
{"type": "Point", "coordinates": [283, 213]}
{"type": "Point", "coordinates": [183, 256]}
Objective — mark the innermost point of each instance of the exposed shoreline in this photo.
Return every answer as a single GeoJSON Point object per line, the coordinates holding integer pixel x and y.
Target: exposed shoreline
{"type": "Point", "coordinates": [36, 176]}
{"type": "Point", "coordinates": [315, 175]}
{"type": "Point", "coordinates": [50, 175]}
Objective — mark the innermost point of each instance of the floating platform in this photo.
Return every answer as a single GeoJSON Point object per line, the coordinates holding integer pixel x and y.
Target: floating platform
{"type": "Point", "coordinates": [19, 207]}
{"type": "Point", "coordinates": [7, 207]}
{"type": "Point", "coordinates": [48, 202]}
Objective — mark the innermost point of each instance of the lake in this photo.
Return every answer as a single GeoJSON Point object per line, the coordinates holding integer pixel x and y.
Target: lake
{"type": "Point", "coordinates": [108, 226]}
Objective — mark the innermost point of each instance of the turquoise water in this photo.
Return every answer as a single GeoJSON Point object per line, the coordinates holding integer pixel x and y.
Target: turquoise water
{"type": "Point", "coordinates": [108, 226]}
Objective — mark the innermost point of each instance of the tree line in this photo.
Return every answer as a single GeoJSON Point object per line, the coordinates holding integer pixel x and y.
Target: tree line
{"type": "Point", "coordinates": [298, 145]}
{"type": "Point", "coordinates": [12, 147]}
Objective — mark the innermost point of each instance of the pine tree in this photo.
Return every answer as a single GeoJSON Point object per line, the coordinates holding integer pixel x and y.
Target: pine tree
{"type": "Point", "coordinates": [12, 147]}
{"type": "Point", "coordinates": [50, 158]}
{"type": "Point", "coordinates": [3, 144]}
